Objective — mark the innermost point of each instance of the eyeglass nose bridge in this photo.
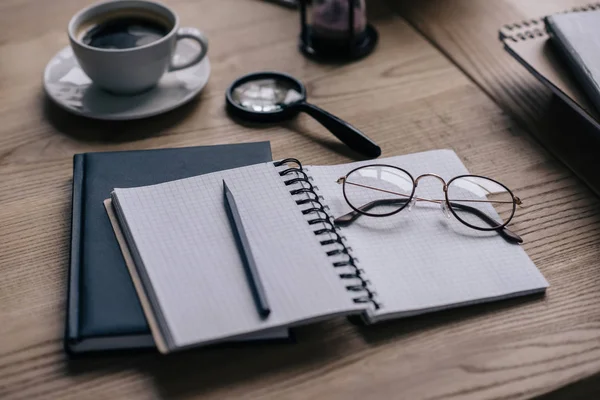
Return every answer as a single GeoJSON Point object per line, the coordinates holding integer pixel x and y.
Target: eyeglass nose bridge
{"type": "Point", "coordinates": [435, 176]}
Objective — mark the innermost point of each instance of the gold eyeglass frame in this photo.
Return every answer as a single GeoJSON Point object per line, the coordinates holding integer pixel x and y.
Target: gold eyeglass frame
{"type": "Point", "coordinates": [494, 226]}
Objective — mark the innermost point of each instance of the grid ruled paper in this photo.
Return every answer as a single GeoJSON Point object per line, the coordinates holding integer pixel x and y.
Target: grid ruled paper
{"type": "Point", "coordinates": [420, 260]}
{"type": "Point", "coordinates": [187, 251]}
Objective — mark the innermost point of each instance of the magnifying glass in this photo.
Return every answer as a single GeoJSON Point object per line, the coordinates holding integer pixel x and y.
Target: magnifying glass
{"type": "Point", "coordinates": [274, 97]}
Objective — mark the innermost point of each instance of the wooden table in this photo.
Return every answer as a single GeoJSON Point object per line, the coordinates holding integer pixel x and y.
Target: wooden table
{"type": "Point", "coordinates": [438, 79]}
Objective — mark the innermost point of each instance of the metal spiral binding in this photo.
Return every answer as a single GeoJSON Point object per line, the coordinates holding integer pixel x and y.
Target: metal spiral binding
{"type": "Point", "coordinates": [323, 218]}
{"type": "Point", "coordinates": [532, 28]}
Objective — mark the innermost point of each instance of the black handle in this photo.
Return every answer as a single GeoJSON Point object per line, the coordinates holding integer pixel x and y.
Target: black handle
{"type": "Point", "coordinates": [348, 134]}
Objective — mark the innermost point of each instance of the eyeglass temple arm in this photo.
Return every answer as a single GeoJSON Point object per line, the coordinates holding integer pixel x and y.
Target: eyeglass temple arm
{"type": "Point", "coordinates": [506, 233]}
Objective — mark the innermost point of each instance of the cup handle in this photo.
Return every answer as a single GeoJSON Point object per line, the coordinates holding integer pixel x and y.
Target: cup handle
{"type": "Point", "coordinates": [195, 34]}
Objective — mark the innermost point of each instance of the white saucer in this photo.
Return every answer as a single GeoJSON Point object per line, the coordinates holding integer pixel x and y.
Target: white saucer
{"type": "Point", "coordinates": [71, 89]}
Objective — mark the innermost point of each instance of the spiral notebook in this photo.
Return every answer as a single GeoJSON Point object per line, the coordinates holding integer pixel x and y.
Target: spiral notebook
{"type": "Point", "coordinates": [190, 278]}
{"type": "Point", "coordinates": [529, 43]}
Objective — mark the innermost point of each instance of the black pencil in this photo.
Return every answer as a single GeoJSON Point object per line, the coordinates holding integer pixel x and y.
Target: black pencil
{"type": "Point", "coordinates": [258, 290]}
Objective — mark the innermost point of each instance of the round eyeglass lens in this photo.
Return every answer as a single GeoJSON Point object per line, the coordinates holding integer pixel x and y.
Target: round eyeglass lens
{"type": "Point", "coordinates": [378, 190]}
{"type": "Point", "coordinates": [481, 203]}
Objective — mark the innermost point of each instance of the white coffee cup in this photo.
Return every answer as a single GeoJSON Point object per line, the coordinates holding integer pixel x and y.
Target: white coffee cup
{"type": "Point", "coordinates": [136, 69]}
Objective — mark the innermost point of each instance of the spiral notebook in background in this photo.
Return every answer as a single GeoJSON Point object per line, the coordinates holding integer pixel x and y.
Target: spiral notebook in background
{"type": "Point", "coordinates": [190, 278]}
{"type": "Point", "coordinates": [529, 43]}
{"type": "Point", "coordinates": [576, 36]}
{"type": "Point", "coordinates": [574, 134]}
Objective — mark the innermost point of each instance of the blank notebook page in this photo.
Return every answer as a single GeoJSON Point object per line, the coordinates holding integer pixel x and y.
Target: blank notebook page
{"type": "Point", "coordinates": [420, 260]}
{"type": "Point", "coordinates": [187, 248]}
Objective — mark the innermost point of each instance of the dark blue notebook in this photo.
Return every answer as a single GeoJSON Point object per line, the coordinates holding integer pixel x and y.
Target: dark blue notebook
{"type": "Point", "coordinates": [576, 37]}
{"type": "Point", "coordinates": [103, 310]}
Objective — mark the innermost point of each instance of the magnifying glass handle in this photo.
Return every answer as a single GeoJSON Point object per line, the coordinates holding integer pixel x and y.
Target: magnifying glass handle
{"type": "Point", "coordinates": [348, 134]}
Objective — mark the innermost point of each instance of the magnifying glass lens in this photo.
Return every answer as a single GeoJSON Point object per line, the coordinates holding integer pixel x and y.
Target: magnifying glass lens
{"type": "Point", "coordinates": [265, 95]}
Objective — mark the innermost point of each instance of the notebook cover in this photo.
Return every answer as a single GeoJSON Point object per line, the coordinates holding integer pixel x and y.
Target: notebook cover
{"type": "Point", "coordinates": [576, 137]}
{"type": "Point", "coordinates": [103, 310]}
{"type": "Point", "coordinates": [575, 36]}
{"type": "Point", "coordinates": [529, 44]}
{"type": "Point", "coordinates": [137, 283]}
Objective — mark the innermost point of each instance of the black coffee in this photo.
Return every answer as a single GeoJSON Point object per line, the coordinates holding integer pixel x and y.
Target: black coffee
{"type": "Point", "coordinates": [124, 33]}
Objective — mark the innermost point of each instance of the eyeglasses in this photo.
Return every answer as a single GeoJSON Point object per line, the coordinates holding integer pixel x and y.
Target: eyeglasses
{"type": "Point", "coordinates": [478, 202]}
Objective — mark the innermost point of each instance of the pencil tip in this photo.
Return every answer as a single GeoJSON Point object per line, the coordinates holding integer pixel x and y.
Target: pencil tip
{"type": "Point", "coordinates": [225, 188]}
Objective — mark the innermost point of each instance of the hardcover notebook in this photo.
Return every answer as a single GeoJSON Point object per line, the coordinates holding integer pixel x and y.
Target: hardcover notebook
{"type": "Point", "coordinates": [575, 137]}
{"type": "Point", "coordinates": [103, 310]}
{"type": "Point", "coordinates": [576, 36]}
{"type": "Point", "coordinates": [529, 43]}
{"type": "Point", "coordinates": [189, 274]}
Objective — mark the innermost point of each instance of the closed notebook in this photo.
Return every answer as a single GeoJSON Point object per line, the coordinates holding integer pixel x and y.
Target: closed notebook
{"type": "Point", "coordinates": [530, 44]}
{"type": "Point", "coordinates": [577, 37]}
{"type": "Point", "coordinates": [191, 279]}
{"type": "Point", "coordinates": [575, 138]}
{"type": "Point", "coordinates": [103, 310]}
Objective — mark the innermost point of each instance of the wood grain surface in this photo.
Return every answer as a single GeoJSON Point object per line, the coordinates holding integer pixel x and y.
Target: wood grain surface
{"type": "Point", "coordinates": [408, 97]}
